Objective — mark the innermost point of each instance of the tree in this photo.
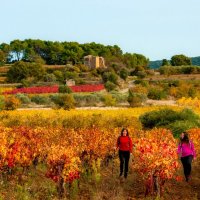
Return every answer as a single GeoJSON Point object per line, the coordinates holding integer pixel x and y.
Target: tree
{"type": "Point", "coordinates": [134, 61]}
{"type": "Point", "coordinates": [5, 48]}
{"type": "Point", "coordinates": [22, 70]}
{"type": "Point", "coordinates": [123, 73]}
{"type": "Point", "coordinates": [17, 49]}
{"type": "Point", "coordinates": [17, 72]}
{"type": "Point", "coordinates": [2, 57]}
{"type": "Point", "coordinates": [135, 99]}
{"type": "Point", "coordinates": [36, 49]}
{"type": "Point", "coordinates": [65, 101]}
{"type": "Point", "coordinates": [36, 70]}
{"type": "Point", "coordinates": [31, 56]}
{"type": "Point", "coordinates": [110, 76]}
{"type": "Point", "coordinates": [61, 53]}
{"type": "Point", "coordinates": [165, 62]}
{"type": "Point", "coordinates": [178, 60]}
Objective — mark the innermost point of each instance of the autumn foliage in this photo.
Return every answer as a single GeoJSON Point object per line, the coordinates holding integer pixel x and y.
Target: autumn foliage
{"type": "Point", "coordinates": [67, 153]}
{"type": "Point", "coordinates": [155, 158]}
{"type": "Point", "coordinates": [194, 135]}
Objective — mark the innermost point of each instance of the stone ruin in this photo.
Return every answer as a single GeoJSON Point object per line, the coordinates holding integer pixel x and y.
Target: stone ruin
{"type": "Point", "coordinates": [94, 62]}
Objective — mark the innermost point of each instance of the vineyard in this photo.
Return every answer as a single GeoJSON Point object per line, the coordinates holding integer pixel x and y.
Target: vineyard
{"type": "Point", "coordinates": [71, 155]}
{"type": "Point", "coordinates": [192, 102]}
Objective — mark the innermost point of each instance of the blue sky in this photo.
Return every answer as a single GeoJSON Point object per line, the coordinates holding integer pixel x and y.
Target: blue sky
{"type": "Point", "coordinates": [155, 28]}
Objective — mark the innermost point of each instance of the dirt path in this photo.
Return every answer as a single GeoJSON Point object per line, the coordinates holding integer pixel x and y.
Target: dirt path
{"type": "Point", "coordinates": [174, 190]}
{"type": "Point", "coordinates": [133, 188]}
{"type": "Point", "coordinates": [161, 102]}
{"type": "Point", "coordinates": [149, 102]}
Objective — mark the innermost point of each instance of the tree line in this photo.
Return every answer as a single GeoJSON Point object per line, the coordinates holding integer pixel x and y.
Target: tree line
{"type": "Point", "coordinates": [61, 53]}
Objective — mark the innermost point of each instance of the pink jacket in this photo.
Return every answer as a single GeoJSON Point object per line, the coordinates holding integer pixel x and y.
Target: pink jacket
{"type": "Point", "coordinates": [185, 149]}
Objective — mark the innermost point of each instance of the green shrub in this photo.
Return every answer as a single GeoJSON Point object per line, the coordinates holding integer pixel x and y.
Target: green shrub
{"type": "Point", "coordinates": [27, 82]}
{"type": "Point", "coordinates": [157, 93]}
{"type": "Point", "coordinates": [123, 73]}
{"type": "Point", "coordinates": [188, 114]}
{"type": "Point", "coordinates": [167, 70]}
{"type": "Point", "coordinates": [136, 99]}
{"type": "Point", "coordinates": [91, 99]}
{"type": "Point", "coordinates": [171, 119]}
{"type": "Point", "coordinates": [110, 86]}
{"type": "Point", "coordinates": [83, 68]}
{"type": "Point", "coordinates": [54, 97]}
{"type": "Point", "coordinates": [65, 101]}
{"type": "Point", "coordinates": [110, 76]}
{"type": "Point", "coordinates": [158, 118]}
{"type": "Point", "coordinates": [87, 99]}
{"type": "Point", "coordinates": [173, 83]}
{"type": "Point", "coordinates": [23, 98]}
{"type": "Point", "coordinates": [72, 68]}
{"type": "Point", "coordinates": [59, 75]}
{"type": "Point", "coordinates": [179, 126]}
{"type": "Point", "coordinates": [142, 82]}
{"type": "Point", "coordinates": [39, 99]}
{"type": "Point", "coordinates": [22, 70]}
{"type": "Point", "coordinates": [79, 81]}
{"type": "Point", "coordinates": [64, 89]}
{"type": "Point", "coordinates": [70, 75]}
{"type": "Point", "coordinates": [109, 100]}
{"type": "Point", "coordinates": [120, 97]}
{"type": "Point", "coordinates": [49, 78]}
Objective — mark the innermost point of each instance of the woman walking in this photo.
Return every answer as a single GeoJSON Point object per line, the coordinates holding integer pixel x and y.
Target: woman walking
{"type": "Point", "coordinates": [124, 144]}
{"type": "Point", "coordinates": [187, 153]}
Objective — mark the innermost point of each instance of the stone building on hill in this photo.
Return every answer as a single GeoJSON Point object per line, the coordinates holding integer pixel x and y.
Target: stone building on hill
{"type": "Point", "coordinates": [94, 62]}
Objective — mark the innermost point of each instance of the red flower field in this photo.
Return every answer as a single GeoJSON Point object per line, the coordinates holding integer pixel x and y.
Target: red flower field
{"type": "Point", "coordinates": [54, 89]}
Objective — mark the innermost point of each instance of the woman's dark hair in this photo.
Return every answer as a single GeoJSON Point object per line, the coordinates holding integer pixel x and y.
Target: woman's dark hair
{"type": "Point", "coordinates": [123, 131]}
{"type": "Point", "coordinates": [185, 139]}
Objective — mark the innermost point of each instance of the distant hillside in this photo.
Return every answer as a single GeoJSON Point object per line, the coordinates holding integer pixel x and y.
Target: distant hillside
{"type": "Point", "coordinates": [156, 64]}
{"type": "Point", "coordinates": [196, 60]}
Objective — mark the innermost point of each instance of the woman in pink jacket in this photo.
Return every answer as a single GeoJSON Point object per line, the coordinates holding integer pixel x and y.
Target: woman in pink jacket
{"type": "Point", "coordinates": [187, 153]}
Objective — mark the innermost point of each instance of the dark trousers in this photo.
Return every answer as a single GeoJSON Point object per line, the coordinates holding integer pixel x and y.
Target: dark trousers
{"type": "Point", "coordinates": [187, 165]}
{"type": "Point", "coordinates": [124, 159]}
